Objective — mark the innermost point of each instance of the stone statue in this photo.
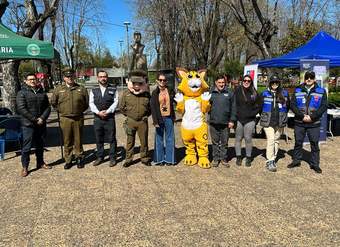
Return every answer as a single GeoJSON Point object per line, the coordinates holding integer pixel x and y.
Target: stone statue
{"type": "Point", "coordinates": [138, 61]}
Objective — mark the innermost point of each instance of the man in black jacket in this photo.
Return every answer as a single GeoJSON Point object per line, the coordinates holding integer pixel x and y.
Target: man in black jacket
{"type": "Point", "coordinates": [222, 117]}
{"type": "Point", "coordinates": [34, 108]}
{"type": "Point", "coordinates": [308, 103]}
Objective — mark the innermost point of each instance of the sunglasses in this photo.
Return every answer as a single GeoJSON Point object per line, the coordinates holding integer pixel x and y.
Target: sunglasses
{"type": "Point", "coordinates": [246, 80]}
{"type": "Point", "coordinates": [162, 80]}
{"type": "Point", "coordinates": [310, 78]}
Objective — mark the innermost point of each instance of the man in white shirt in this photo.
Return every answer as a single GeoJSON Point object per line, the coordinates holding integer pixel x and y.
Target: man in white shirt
{"type": "Point", "coordinates": [103, 103]}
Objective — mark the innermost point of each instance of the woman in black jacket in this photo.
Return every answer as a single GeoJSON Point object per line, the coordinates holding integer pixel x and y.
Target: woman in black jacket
{"type": "Point", "coordinates": [247, 106]}
{"type": "Point", "coordinates": [163, 116]}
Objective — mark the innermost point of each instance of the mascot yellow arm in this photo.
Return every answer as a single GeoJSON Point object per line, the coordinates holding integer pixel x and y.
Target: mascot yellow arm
{"type": "Point", "coordinates": [205, 106]}
{"type": "Point", "coordinates": [180, 107]}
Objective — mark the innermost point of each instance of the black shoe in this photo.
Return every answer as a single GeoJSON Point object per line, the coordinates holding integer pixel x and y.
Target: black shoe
{"type": "Point", "coordinates": [239, 160]}
{"type": "Point", "coordinates": [317, 169]}
{"type": "Point", "coordinates": [80, 163]}
{"type": "Point", "coordinates": [146, 163]}
{"type": "Point", "coordinates": [97, 162]}
{"type": "Point", "coordinates": [215, 163]}
{"type": "Point", "coordinates": [294, 164]}
{"type": "Point", "coordinates": [225, 163]}
{"type": "Point", "coordinates": [113, 162]}
{"type": "Point", "coordinates": [68, 166]}
{"type": "Point", "coordinates": [127, 163]}
{"type": "Point", "coordinates": [248, 161]}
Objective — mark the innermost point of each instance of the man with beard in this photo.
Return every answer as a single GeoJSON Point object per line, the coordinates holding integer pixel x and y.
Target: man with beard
{"type": "Point", "coordinates": [103, 103]}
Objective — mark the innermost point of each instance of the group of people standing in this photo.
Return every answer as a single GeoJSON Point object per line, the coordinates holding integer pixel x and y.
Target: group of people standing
{"type": "Point", "coordinates": [230, 108]}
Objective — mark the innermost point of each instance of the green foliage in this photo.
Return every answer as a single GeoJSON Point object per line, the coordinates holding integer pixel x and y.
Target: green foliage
{"type": "Point", "coordinates": [298, 35]}
{"type": "Point", "coordinates": [233, 68]}
{"type": "Point", "coordinates": [334, 98]}
{"type": "Point", "coordinates": [26, 67]}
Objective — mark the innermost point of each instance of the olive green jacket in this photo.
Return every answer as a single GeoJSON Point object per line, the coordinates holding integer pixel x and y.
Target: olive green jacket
{"type": "Point", "coordinates": [135, 106]}
{"type": "Point", "coordinates": [70, 101]}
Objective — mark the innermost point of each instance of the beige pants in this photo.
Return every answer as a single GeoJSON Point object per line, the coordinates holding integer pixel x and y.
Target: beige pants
{"type": "Point", "coordinates": [273, 138]}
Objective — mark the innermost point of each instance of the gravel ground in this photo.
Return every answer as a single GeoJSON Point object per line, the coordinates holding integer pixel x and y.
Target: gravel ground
{"type": "Point", "coordinates": [170, 206]}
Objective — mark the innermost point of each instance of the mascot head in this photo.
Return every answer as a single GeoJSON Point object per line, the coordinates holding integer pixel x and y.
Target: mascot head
{"type": "Point", "coordinates": [137, 82]}
{"type": "Point", "coordinates": [192, 82]}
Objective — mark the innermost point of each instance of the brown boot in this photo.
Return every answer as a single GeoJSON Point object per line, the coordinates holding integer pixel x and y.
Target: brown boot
{"type": "Point", "coordinates": [44, 166]}
{"type": "Point", "coordinates": [24, 172]}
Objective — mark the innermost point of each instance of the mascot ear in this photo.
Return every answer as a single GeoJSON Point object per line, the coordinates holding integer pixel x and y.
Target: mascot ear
{"type": "Point", "coordinates": [181, 72]}
{"type": "Point", "coordinates": [202, 73]}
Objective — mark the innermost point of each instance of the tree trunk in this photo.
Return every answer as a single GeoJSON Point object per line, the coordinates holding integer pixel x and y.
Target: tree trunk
{"type": "Point", "coordinates": [11, 83]}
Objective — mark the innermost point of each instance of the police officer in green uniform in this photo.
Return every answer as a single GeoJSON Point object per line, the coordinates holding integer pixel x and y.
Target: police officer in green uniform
{"type": "Point", "coordinates": [71, 100]}
{"type": "Point", "coordinates": [135, 105]}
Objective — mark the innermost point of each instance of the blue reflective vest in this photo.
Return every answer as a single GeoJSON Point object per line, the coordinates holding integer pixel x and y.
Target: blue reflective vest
{"type": "Point", "coordinates": [309, 103]}
{"type": "Point", "coordinates": [267, 107]}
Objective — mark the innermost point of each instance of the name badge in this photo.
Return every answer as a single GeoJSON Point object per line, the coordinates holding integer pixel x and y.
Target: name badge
{"type": "Point", "coordinates": [280, 105]}
{"type": "Point", "coordinates": [303, 100]}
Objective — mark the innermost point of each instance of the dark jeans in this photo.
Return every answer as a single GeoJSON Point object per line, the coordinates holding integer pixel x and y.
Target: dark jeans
{"type": "Point", "coordinates": [32, 135]}
{"type": "Point", "coordinates": [105, 128]}
{"type": "Point", "coordinates": [165, 135]}
{"type": "Point", "coordinates": [219, 136]}
{"type": "Point", "coordinates": [313, 134]}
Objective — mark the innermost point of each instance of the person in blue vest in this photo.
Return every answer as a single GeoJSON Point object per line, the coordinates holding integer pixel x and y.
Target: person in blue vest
{"type": "Point", "coordinates": [308, 103]}
{"type": "Point", "coordinates": [274, 118]}
{"type": "Point", "coordinates": [103, 103]}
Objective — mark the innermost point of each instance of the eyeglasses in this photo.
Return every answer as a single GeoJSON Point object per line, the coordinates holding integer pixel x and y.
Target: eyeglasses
{"type": "Point", "coordinates": [162, 80]}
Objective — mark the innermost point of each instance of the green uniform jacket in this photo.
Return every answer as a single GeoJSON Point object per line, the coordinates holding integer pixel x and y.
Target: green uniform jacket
{"type": "Point", "coordinates": [135, 106]}
{"type": "Point", "coordinates": [70, 101]}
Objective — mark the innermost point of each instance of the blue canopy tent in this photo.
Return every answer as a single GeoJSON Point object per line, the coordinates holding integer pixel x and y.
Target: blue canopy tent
{"type": "Point", "coordinates": [321, 46]}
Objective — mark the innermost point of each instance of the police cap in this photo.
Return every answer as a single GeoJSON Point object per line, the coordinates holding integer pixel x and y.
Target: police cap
{"type": "Point", "coordinates": [68, 72]}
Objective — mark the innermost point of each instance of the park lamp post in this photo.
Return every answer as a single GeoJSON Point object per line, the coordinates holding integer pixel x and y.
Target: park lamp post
{"type": "Point", "coordinates": [126, 23]}
{"type": "Point", "coordinates": [122, 70]}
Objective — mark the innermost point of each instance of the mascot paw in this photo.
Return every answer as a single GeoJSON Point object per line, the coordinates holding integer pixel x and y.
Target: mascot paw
{"type": "Point", "coordinates": [203, 162]}
{"type": "Point", "coordinates": [190, 160]}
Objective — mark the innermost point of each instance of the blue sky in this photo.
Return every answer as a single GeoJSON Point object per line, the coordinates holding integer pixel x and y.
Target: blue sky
{"type": "Point", "coordinates": [116, 12]}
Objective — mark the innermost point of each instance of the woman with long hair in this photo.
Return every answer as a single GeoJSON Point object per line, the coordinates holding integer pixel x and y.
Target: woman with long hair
{"type": "Point", "coordinates": [247, 107]}
{"type": "Point", "coordinates": [274, 118]}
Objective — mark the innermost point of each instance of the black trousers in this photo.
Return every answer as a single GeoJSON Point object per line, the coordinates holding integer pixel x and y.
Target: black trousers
{"type": "Point", "coordinates": [313, 134]}
{"type": "Point", "coordinates": [105, 129]}
{"type": "Point", "coordinates": [219, 136]}
{"type": "Point", "coordinates": [32, 135]}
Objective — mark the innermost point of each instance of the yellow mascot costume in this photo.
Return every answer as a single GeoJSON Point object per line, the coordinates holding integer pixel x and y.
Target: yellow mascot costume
{"type": "Point", "coordinates": [193, 103]}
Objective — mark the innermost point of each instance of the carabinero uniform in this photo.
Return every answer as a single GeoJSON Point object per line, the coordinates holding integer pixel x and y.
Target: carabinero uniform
{"type": "Point", "coordinates": [71, 102]}
{"type": "Point", "coordinates": [104, 98]}
{"type": "Point", "coordinates": [136, 108]}
{"type": "Point", "coordinates": [314, 104]}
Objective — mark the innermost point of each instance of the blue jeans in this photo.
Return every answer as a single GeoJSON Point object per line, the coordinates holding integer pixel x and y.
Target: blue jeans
{"type": "Point", "coordinates": [165, 135]}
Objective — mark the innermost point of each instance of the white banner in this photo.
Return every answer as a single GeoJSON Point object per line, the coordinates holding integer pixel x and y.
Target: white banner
{"type": "Point", "coordinates": [251, 70]}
